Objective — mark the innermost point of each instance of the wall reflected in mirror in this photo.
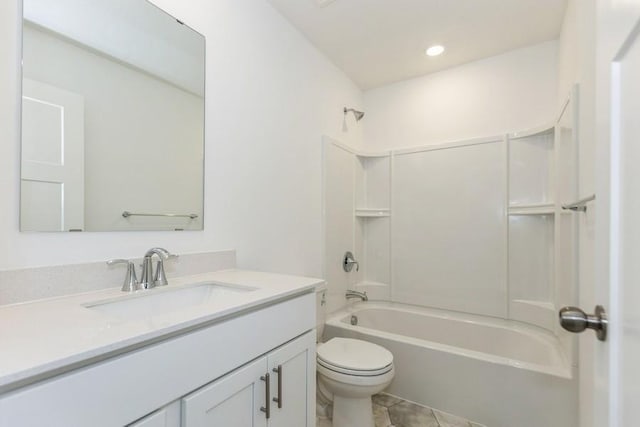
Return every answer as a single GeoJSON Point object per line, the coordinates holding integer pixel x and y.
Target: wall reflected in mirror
{"type": "Point", "coordinates": [112, 118]}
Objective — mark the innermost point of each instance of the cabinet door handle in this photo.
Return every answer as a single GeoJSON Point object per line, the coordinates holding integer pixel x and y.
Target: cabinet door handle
{"type": "Point", "coordinates": [267, 408]}
{"type": "Point", "coordinates": [278, 399]}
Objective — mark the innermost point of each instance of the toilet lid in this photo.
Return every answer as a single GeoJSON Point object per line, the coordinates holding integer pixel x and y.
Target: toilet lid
{"type": "Point", "coordinates": [354, 355]}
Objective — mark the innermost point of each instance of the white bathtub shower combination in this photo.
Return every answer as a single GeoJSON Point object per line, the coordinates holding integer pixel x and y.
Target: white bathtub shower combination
{"type": "Point", "coordinates": [497, 372]}
{"type": "Point", "coordinates": [468, 249]}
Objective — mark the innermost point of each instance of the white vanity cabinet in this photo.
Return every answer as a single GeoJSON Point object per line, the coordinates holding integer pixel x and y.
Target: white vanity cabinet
{"type": "Point", "coordinates": [276, 390]}
{"type": "Point", "coordinates": [208, 374]}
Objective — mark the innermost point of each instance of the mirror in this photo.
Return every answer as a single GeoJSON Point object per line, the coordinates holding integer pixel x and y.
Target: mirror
{"type": "Point", "coordinates": [112, 118]}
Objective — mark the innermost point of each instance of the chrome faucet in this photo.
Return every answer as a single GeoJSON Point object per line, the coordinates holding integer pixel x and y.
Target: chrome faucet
{"type": "Point", "coordinates": [148, 280]}
{"type": "Point", "coordinates": [355, 294]}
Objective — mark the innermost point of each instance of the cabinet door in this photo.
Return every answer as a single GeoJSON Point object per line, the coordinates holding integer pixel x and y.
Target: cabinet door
{"type": "Point", "coordinates": [233, 401]}
{"type": "Point", "coordinates": [293, 374]}
{"type": "Point", "coordinates": [169, 416]}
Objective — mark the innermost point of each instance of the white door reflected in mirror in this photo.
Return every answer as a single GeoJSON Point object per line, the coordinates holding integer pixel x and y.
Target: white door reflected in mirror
{"type": "Point", "coordinates": [52, 180]}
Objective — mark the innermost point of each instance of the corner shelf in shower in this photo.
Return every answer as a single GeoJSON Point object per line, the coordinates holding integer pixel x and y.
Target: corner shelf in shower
{"type": "Point", "coordinates": [536, 209]}
{"type": "Point", "coordinates": [373, 213]}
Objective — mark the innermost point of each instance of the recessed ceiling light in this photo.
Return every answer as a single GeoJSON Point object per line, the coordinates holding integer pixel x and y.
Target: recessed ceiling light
{"type": "Point", "coordinates": [435, 50]}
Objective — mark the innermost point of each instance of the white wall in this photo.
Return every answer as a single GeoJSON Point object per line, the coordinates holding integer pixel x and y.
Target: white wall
{"type": "Point", "coordinates": [577, 64]}
{"type": "Point", "coordinates": [508, 92]}
{"type": "Point", "coordinates": [270, 97]}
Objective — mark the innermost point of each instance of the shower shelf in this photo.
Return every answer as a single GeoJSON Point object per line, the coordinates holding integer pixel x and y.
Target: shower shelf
{"type": "Point", "coordinates": [372, 213]}
{"type": "Point", "coordinates": [538, 209]}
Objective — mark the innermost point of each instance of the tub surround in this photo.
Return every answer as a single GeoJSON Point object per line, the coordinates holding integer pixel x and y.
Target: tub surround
{"type": "Point", "coordinates": [36, 283]}
{"type": "Point", "coordinates": [507, 218]}
{"type": "Point", "coordinates": [52, 336]}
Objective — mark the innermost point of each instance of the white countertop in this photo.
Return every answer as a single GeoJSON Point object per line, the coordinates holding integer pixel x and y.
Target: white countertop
{"type": "Point", "coordinates": [40, 338]}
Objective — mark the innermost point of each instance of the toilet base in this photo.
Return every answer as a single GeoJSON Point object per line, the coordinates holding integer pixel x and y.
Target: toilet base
{"type": "Point", "coordinates": [352, 412]}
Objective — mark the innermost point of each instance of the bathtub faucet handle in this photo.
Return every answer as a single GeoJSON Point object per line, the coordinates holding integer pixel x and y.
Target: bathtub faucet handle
{"type": "Point", "coordinates": [349, 261]}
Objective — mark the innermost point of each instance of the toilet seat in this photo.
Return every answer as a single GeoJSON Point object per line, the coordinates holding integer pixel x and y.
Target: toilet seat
{"type": "Point", "coordinates": [357, 373]}
{"type": "Point", "coordinates": [354, 357]}
{"type": "Point", "coordinates": [356, 380]}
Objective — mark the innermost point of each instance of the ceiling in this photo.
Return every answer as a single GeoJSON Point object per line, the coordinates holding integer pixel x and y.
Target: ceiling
{"type": "Point", "coordinates": [376, 42]}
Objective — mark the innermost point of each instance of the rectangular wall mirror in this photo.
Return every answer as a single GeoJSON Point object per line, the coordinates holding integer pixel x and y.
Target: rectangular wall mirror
{"type": "Point", "coordinates": [112, 118]}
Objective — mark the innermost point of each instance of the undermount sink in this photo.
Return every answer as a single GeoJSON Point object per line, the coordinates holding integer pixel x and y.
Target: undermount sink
{"type": "Point", "coordinates": [159, 301]}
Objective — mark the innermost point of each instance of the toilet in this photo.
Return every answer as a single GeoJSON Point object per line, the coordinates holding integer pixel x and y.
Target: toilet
{"type": "Point", "coordinates": [349, 372]}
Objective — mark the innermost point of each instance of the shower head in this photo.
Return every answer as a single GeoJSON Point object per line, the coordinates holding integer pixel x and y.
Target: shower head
{"type": "Point", "coordinates": [358, 114]}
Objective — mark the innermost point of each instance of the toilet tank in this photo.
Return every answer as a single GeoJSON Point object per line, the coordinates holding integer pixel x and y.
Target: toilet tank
{"type": "Point", "coordinates": [321, 311]}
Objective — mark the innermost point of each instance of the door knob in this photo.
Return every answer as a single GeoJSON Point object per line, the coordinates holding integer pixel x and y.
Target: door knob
{"type": "Point", "coordinates": [575, 320]}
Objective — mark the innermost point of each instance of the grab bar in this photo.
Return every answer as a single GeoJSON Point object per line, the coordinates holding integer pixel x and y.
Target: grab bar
{"type": "Point", "coordinates": [127, 214]}
{"type": "Point", "coordinates": [580, 205]}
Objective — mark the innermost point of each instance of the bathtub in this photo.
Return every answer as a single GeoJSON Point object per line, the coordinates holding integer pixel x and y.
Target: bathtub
{"type": "Point", "coordinates": [496, 372]}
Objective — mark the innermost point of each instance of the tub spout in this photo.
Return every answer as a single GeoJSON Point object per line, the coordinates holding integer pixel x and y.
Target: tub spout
{"type": "Point", "coordinates": [355, 294]}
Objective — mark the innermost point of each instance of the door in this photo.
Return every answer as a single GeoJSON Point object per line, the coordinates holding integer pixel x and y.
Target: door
{"type": "Point", "coordinates": [293, 370]}
{"type": "Point", "coordinates": [52, 175]}
{"type": "Point", "coordinates": [610, 383]}
{"type": "Point", "coordinates": [233, 401]}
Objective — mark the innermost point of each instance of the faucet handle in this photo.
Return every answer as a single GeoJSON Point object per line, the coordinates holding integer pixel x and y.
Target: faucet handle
{"type": "Point", "coordinates": [130, 283]}
{"type": "Point", "coordinates": [118, 261]}
{"type": "Point", "coordinates": [160, 278]}
{"type": "Point", "coordinates": [348, 261]}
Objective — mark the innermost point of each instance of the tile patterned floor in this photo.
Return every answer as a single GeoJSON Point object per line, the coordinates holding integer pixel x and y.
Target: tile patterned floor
{"type": "Point", "coordinates": [391, 411]}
